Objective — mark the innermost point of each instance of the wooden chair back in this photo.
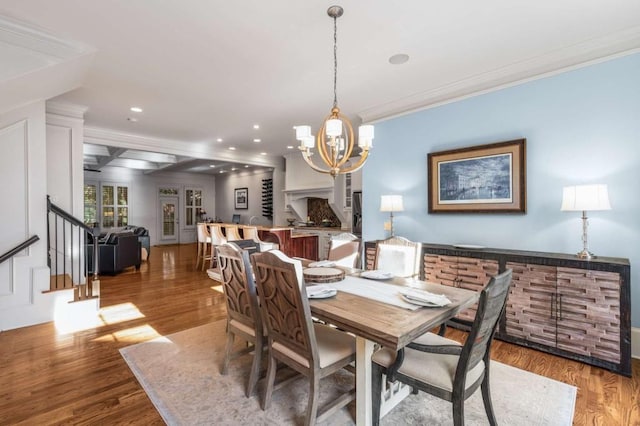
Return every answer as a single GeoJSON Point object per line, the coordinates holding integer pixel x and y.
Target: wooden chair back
{"type": "Point", "coordinates": [239, 286]}
{"type": "Point", "coordinates": [285, 307]}
{"type": "Point", "coordinates": [492, 303]}
{"type": "Point", "coordinates": [399, 256]}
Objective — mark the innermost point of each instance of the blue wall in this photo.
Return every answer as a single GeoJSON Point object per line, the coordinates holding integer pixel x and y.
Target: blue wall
{"type": "Point", "coordinates": [581, 126]}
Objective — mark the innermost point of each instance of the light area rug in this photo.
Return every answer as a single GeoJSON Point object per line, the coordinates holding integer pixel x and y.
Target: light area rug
{"type": "Point", "coordinates": [181, 374]}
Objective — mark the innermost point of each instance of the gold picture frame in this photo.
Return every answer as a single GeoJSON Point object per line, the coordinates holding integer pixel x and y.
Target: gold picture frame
{"type": "Point", "coordinates": [481, 179]}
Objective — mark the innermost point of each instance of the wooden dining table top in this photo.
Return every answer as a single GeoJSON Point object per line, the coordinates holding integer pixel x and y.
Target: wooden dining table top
{"type": "Point", "coordinates": [391, 326]}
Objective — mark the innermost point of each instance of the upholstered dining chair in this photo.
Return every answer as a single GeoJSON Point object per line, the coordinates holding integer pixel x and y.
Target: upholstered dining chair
{"type": "Point", "coordinates": [232, 233]}
{"type": "Point", "coordinates": [344, 250]}
{"type": "Point", "coordinates": [398, 256]}
{"type": "Point", "coordinates": [204, 245]}
{"type": "Point", "coordinates": [443, 367]}
{"type": "Point", "coordinates": [243, 312]}
{"type": "Point", "coordinates": [314, 350]}
{"type": "Point", "coordinates": [251, 233]}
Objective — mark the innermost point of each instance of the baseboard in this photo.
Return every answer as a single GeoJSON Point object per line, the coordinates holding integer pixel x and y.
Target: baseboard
{"type": "Point", "coordinates": [635, 343]}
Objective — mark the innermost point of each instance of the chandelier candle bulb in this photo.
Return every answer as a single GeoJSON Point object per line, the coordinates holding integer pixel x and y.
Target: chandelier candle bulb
{"type": "Point", "coordinates": [334, 127]}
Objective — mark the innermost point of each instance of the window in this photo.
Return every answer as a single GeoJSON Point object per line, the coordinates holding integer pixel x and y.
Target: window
{"type": "Point", "coordinates": [193, 206]}
{"type": "Point", "coordinates": [91, 204]}
{"type": "Point", "coordinates": [107, 206]}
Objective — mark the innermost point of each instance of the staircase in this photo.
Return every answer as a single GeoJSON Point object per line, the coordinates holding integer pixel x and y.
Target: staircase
{"type": "Point", "coordinates": [69, 240]}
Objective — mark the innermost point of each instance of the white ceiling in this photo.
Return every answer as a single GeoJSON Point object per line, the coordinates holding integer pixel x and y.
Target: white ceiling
{"type": "Point", "coordinates": [208, 69]}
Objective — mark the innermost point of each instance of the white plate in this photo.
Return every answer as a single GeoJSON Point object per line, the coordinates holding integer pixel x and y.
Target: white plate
{"type": "Point", "coordinates": [376, 275]}
{"type": "Point", "coordinates": [468, 246]}
{"type": "Point", "coordinates": [323, 295]}
{"type": "Point", "coordinates": [420, 302]}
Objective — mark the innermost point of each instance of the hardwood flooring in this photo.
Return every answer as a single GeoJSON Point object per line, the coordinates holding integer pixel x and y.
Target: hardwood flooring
{"type": "Point", "coordinates": [49, 376]}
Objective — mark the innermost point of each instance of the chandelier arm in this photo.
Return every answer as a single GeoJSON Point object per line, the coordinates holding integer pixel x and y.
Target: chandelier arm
{"type": "Point", "coordinates": [358, 165]}
{"type": "Point", "coordinates": [306, 156]}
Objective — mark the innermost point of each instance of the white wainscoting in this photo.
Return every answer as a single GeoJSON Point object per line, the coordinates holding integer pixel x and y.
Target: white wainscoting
{"type": "Point", "coordinates": [635, 343]}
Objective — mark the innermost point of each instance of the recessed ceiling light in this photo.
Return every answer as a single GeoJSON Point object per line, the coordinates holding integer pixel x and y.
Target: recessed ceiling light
{"type": "Point", "coordinates": [289, 146]}
{"type": "Point", "coordinates": [136, 109]}
{"type": "Point", "coordinates": [219, 140]}
{"type": "Point", "coordinates": [212, 165]}
{"type": "Point", "coordinates": [221, 171]}
{"type": "Point", "coordinates": [399, 59]}
{"type": "Point", "coordinates": [132, 119]}
{"type": "Point", "coordinates": [233, 169]}
{"type": "Point", "coordinates": [263, 153]}
{"type": "Point", "coordinates": [256, 126]}
{"type": "Point", "coordinates": [246, 166]}
{"type": "Point", "coordinates": [232, 148]}
{"type": "Point", "coordinates": [257, 140]}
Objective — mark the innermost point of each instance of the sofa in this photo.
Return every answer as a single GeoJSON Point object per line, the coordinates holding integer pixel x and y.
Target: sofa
{"type": "Point", "coordinates": [116, 251]}
{"type": "Point", "coordinates": [143, 237]}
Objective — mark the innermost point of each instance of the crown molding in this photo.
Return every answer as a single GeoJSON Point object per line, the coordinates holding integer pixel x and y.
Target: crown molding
{"type": "Point", "coordinates": [26, 36]}
{"type": "Point", "coordinates": [200, 150]}
{"type": "Point", "coordinates": [66, 110]}
{"type": "Point", "coordinates": [555, 62]}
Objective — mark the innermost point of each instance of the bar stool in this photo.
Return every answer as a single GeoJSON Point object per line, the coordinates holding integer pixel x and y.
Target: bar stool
{"type": "Point", "coordinates": [251, 233]}
{"type": "Point", "coordinates": [204, 245]}
{"type": "Point", "coordinates": [217, 239]}
{"type": "Point", "coordinates": [233, 233]}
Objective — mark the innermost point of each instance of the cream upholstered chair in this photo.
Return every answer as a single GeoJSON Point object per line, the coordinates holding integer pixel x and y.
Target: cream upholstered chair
{"type": "Point", "coordinates": [217, 239]}
{"type": "Point", "coordinates": [251, 233]}
{"type": "Point", "coordinates": [204, 245]}
{"type": "Point", "coordinates": [399, 256]}
{"type": "Point", "coordinates": [232, 232]}
{"type": "Point", "coordinates": [344, 250]}
{"type": "Point", "coordinates": [444, 368]}
{"type": "Point", "coordinates": [243, 311]}
{"type": "Point", "coordinates": [314, 350]}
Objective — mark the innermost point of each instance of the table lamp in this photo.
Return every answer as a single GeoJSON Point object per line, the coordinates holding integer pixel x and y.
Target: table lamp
{"type": "Point", "coordinates": [391, 203]}
{"type": "Point", "coordinates": [583, 198]}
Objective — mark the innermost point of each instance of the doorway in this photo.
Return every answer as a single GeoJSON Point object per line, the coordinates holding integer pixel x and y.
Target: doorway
{"type": "Point", "coordinates": [168, 214]}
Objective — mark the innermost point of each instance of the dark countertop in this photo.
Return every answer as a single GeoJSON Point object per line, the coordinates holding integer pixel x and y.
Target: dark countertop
{"type": "Point", "coordinates": [318, 228]}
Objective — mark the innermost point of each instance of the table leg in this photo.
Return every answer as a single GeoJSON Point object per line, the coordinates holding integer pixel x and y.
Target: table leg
{"type": "Point", "coordinates": [364, 351]}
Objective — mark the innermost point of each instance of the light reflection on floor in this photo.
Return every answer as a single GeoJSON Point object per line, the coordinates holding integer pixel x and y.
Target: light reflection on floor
{"type": "Point", "coordinates": [137, 334]}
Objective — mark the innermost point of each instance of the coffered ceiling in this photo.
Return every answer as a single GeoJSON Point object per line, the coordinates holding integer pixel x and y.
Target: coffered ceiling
{"type": "Point", "coordinates": [205, 73]}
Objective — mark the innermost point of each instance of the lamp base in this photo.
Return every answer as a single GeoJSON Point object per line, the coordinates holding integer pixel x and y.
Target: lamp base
{"type": "Point", "coordinates": [585, 254]}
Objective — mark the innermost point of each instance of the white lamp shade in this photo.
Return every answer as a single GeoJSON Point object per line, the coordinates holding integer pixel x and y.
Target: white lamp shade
{"type": "Point", "coordinates": [308, 141]}
{"type": "Point", "coordinates": [334, 127]}
{"type": "Point", "coordinates": [585, 198]}
{"type": "Point", "coordinates": [391, 203]}
{"type": "Point", "coordinates": [365, 136]}
{"type": "Point", "coordinates": [302, 132]}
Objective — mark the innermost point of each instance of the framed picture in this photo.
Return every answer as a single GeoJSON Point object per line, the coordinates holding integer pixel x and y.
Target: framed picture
{"type": "Point", "coordinates": [480, 179]}
{"type": "Point", "coordinates": [241, 197]}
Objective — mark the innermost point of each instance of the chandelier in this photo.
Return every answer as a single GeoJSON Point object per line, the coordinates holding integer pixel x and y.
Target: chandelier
{"type": "Point", "coordinates": [335, 141]}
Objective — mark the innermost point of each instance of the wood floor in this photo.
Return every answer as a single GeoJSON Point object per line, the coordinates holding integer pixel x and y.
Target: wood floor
{"type": "Point", "coordinates": [52, 376]}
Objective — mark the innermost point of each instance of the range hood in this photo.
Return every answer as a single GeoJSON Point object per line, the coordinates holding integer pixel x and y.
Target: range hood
{"type": "Point", "coordinates": [296, 200]}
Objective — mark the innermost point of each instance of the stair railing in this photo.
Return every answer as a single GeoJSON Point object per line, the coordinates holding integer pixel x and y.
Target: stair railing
{"type": "Point", "coordinates": [71, 257]}
{"type": "Point", "coordinates": [17, 249]}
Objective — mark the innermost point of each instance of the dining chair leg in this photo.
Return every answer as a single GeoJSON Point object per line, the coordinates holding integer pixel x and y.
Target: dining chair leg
{"type": "Point", "coordinates": [271, 377]}
{"type": "Point", "coordinates": [312, 405]}
{"type": "Point", "coordinates": [486, 398]}
{"type": "Point", "coordinates": [376, 393]}
{"type": "Point", "coordinates": [227, 352]}
{"type": "Point", "coordinates": [458, 410]}
{"type": "Point", "coordinates": [255, 366]}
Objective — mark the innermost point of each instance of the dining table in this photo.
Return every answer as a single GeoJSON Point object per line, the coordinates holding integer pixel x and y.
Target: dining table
{"type": "Point", "coordinates": [376, 313]}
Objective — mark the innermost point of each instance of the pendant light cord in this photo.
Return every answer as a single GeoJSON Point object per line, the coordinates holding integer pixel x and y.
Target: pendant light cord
{"type": "Point", "coordinates": [335, 61]}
